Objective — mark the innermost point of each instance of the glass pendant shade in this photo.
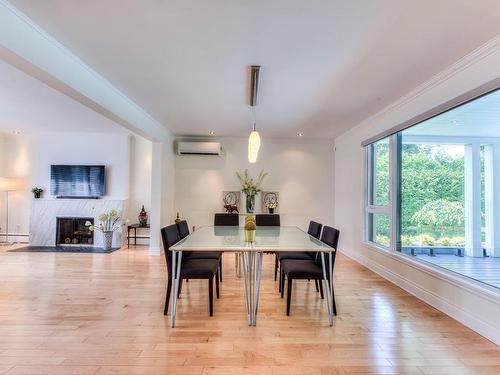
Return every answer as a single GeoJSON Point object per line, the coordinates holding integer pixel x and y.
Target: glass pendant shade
{"type": "Point", "coordinates": [253, 146]}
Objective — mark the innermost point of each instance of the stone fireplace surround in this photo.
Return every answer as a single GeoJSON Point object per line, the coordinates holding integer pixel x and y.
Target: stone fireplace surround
{"type": "Point", "coordinates": [44, 214]}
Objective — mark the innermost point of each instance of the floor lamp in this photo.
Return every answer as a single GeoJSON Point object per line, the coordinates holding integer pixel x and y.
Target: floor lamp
{"type": "Point", "coordinates": [8, 185]}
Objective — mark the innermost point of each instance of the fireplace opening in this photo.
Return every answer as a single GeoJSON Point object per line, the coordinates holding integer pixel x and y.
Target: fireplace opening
{"type": "Point", "coordinates": [73, 231]}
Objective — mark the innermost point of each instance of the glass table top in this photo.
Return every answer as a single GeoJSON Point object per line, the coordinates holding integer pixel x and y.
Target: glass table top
{"type": "Point", "coordinates": [219, 238]}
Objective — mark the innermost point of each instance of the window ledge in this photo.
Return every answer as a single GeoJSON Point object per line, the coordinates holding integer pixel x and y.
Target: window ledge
{"type": "Point", "coordinates": [476, 287]}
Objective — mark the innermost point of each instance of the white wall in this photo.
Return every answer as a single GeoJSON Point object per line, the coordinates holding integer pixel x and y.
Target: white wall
{"type": "Point", "coordinates": [477, 307]}
{"type": "Point", "coordinates": [112, 150]}
{"type": "Point", "coordinates": [29, 156]}
{"type": "Point", "coordinates": [302, 172]}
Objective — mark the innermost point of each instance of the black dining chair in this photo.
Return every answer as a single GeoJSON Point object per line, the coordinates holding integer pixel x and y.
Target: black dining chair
{"type": "Point", "coordinates": [225, 220]}
{"type": "Point", "coordinates": [267, 220]}
{"type": "Point", "coordinates": [190, 269]}
{"type": "Point", "coordinates": [313, 230]}
{"type": "Point", "coordinates": [309, 269]}
{"type": "Point", "coordinates": [183, 228]}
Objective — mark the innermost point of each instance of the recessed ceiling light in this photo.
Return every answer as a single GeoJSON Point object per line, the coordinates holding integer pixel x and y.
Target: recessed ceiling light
{"type": "Point", "coordinates": [211, 132]}
{"type": "Point", "coordinates": [300, 134]}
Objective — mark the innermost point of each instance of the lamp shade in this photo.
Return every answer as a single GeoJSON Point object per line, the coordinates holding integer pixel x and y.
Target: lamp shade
{"type": "Point", "coordinates": [253, 146]}
{"type": "Point", "coordinates": [11, 184]}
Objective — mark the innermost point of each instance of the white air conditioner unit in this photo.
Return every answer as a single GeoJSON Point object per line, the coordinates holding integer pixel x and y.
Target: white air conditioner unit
{"type": "Point", "coordinates": [199, 148]}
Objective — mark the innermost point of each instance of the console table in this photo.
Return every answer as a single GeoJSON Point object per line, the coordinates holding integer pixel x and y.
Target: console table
{"type": "Point", "coordinates": [135, 236]}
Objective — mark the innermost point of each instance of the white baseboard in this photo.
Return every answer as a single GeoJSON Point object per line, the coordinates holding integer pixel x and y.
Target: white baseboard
{"type": "Point", "coordinates": [155, 251]}
{"type": "Point", "coordinates": [467, 318]}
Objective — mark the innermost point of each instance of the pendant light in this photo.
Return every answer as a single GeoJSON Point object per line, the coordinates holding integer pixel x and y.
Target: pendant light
{"type": "Point", "coordinates": [254, 138]}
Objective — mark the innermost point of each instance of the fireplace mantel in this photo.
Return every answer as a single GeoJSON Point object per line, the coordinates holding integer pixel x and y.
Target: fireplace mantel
{"type": "Point", "coordinates": [44, 213]}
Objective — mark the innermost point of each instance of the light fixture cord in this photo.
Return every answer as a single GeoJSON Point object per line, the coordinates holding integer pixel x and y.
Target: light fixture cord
{"type": "Point", "coordinates": [253, 117]}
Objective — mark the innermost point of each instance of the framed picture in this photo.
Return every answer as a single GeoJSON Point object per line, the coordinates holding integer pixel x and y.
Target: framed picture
{"type": "Point", "coordinates": [270, 197]}
{"type": "Point", "coordinates": [231, 201]}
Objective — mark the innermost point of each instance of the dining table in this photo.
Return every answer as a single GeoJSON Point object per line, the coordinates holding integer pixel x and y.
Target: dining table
{"type": "Point", "coordinates": [267, 239]}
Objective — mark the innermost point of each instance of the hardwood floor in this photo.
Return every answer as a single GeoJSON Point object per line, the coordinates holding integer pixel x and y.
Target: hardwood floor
{"type": "Point", "coordinates": [103, 314]}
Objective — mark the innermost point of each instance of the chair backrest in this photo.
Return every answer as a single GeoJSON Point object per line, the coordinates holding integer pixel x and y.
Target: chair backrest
{"type": "Point", "coordinates": [314, 229]}
{"type": "Point", "coordinates": [170, 236]}
{"type": "Point", "coordinates": [227, 220]}
{"type": "Point", "coordinates": [267, 220]}
{"type": "Point", "coordinates": [183, 228]}
{"type": "Point", "coordinates": [330, 236]}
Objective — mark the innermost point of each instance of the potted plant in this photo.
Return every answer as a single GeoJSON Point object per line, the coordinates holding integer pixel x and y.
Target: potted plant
{"type": "Point", "coordinates": [250, 228]}
{"type": "Point", "coordinates": [109, 223]}
{"type": "Point", "coordinates": [250, 187]}
{"type": "Point", "coordinates": [37, 192]}
{"type": "Point", "coordinates": [271, 206]}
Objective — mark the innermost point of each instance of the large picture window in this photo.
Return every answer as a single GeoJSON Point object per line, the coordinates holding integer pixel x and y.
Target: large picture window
{"type": "Point", "coordinates": [433, 190]}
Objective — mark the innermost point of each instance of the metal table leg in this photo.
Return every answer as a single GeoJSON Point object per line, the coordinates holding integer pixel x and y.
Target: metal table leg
{"type": "Point", "coordinates": [327, 289]}
{"type": "Point", "coordinates": [176, 271]}
{"type": "Point", "coordinates": [330, 270]}
{"type": "Point", "coordinates": [245, 256]}
{"type": "Point", "coordinates": [258, 274]}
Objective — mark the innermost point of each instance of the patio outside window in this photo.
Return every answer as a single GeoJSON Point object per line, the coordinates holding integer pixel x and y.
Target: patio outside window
{"type": "Point", "coordinates": [446, 206]}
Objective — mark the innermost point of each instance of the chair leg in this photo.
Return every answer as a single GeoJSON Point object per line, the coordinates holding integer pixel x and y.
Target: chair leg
{"type": "Point", "coordinates": [289, 296]}
{"type": "Point", "coordinates": [317, 286]}
{"type": "Point", "coordinates": [217, 285]}
{"type": "Point", "coordinates": [220, 268]}
{"type": "Point", "coordinates": [333, 302]}
{"type": "Point", "coordinates": [211, 295]}
{"type": "Point", "coordinates": [275, 266]}
{"type": "Point", "coordinates": [167, 299]}
{"type": "Point", "coordinates": [180, 287]}
{"type": "Point", "coordinates": [282, 282]}
{"type": "Point", "coordinates": [320, 282]}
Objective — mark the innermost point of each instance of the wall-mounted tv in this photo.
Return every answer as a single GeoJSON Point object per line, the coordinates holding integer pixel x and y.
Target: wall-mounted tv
{"type": "Point", "coordinates": [77, 181]}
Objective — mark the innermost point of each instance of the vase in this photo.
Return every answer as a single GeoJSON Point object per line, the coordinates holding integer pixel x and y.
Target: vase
{"type": "Point", "coordinates": [37, 195]}
{"type": "Point", "coordinates": [271, 210]}
{"type": "Point", "coordinates": [177, 219]}
{"type": "Point", "coordinates": [249, 235]}
{"type": "Point", "coordinates": [143, 217]}
{"type": "Point", "coordinates": [107, 242]}
{"type": "Point", "coordinates": [250, 204]}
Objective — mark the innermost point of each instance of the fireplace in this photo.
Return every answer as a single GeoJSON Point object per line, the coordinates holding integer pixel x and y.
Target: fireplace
{"type": "Point", "coordinates": [72, 231]}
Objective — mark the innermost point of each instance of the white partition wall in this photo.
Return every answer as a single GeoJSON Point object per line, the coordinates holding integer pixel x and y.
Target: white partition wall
{"type": "Point", "coordinates": [492, 198]}
{"type": "Point", "coordinates": [472, 181]}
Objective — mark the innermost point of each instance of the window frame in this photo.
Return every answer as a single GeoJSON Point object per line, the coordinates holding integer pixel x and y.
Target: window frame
{"type": "Point", "coordinates": [369, 207]}
{"type": "Point", "coordinates": [393, 134]}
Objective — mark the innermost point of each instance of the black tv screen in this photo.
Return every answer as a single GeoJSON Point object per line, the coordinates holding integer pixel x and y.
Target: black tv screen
{"type": "Point", "coordinates": [77, 181]}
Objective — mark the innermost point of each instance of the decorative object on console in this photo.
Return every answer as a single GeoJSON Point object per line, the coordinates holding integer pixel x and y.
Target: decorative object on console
{"type": "Point", "coordinates": [37, 192]}
{"type": "Point", "coordinates": [231, 201]}
{"type": "Point", "coordinates": [250, 228]}
{"type": "Point", "coordinates": [250, 187]}
{"type": "Point", "coordinates": [110, 222]}
{"type": "Point", "coordinates": [270, 201]}
{"type": "Point", "coordinates": [271, 207]}
{"type": "Point", "coordinates": [177, 219]}
{"type": "Point", "coordinates": [143, 217]}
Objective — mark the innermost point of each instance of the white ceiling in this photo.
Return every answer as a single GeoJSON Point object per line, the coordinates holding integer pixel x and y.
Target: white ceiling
{"type": "Point", "coordinates": [477, 118]}
{"type": "Point", "coordinates": [28, 105]}
{"type": "Point", "coordinates": [327, 65]}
